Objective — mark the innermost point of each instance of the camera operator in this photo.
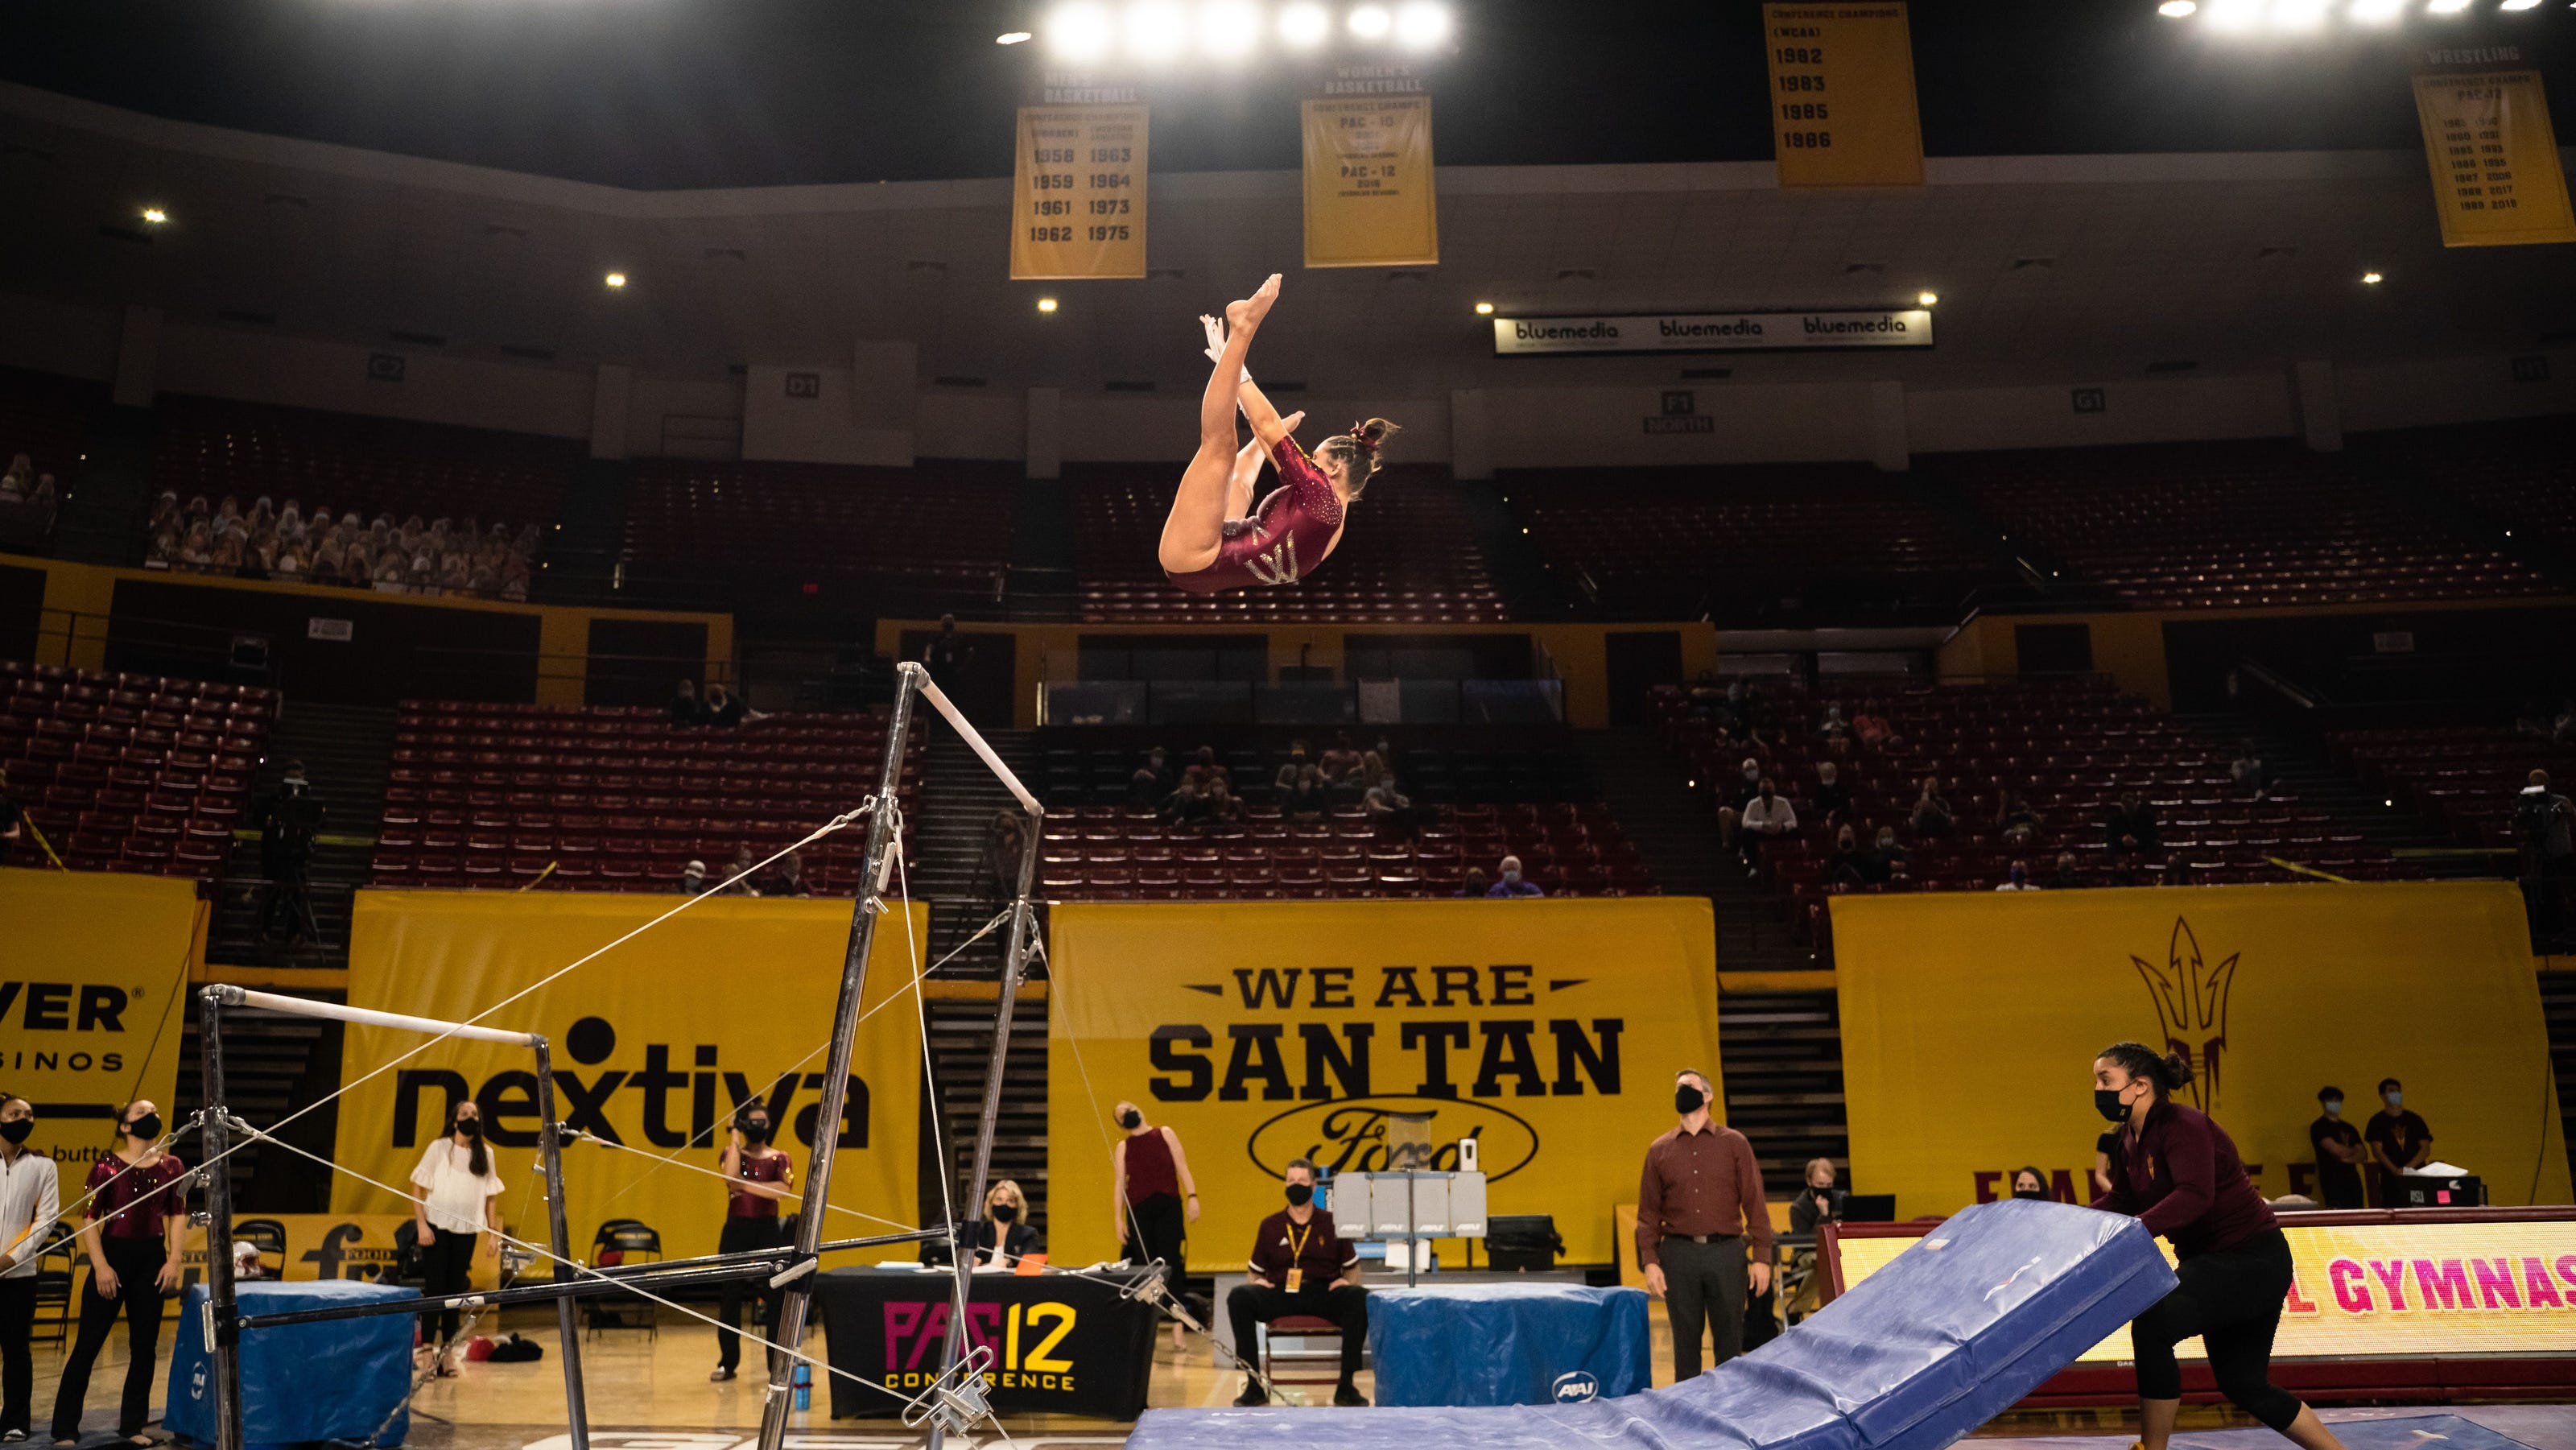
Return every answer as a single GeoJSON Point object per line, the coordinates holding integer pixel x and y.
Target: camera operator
{"type": "Point", "coordinates": [2544, 822]}
{"type": "Point", "coordinates": [289, 819]}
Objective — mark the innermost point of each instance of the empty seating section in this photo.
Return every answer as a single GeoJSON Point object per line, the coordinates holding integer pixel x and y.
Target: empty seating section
{"type": "Point", "coordinates": [345, 463]}
{"type": "Point", "coordinates": [1408, 555]}
{"type": "Point", "coordinates": [2462, 778]}
{"type": "Point", "coordinates": [48, 419]}
{"type": "Point", "coordinates": [126, 772]}
{"type": "Point", "coordinates": [940, 527]}
{"type": "Point", "coordinates": [1473, 805]}
{"type": "Point", "coordinates": [2522, 474]}
{"type": "Point", "coordinates": [617, 798]}
{"type": "Point", "coordinates": [1674, 543]}
{"type": "Point", "coordinates": [2255, 523]}
{"type": "Point", "coordinates": [2069, 748]}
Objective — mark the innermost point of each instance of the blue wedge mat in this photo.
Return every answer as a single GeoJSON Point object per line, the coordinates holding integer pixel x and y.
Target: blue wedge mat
{"type": "Point", "coordinates": [1954, 1330]}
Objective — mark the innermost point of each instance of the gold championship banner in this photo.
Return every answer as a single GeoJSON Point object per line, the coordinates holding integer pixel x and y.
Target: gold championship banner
{"type": "Point", "coordinates": [2406, 1289]}
{"type": "Point", "coordinates": [92, 1003]}
{"type": "Point", "coordinates": [1842, 95]}
{"type": "Point", "coordinates": [1078, 193]}
{"type": "Point", "coordinates": [654, 1043]}
{"type": "Point", "coordinates": [1369, 195]}
{"type": "Point", "coordinates": [1548, 1031]}
{"type": "Point", "coordinates": [1995, 1005]}
{"type": "Point", "coordinates": [2497, 180]}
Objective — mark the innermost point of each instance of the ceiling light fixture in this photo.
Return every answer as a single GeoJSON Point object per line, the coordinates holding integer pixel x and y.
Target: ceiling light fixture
{"type": "Point", "coordinates": [1046, 304]}
{"type": "Point", "coordinates": [1229, 28]}
{"type": "Point", "coordinates": [1927, 298]}
{"type": "Point", "coordinates": [1484, 309]}
{"type": "Point", "coordinates": [615, 279]}
{"type": "Point", "coordinates": [1421, 25]}
{"type": "Point", "coordinates": [2370, 279]}
{"type": "Point", "coordinates": [2377, 12]}
{"type": "Point", "coordinates": [2177, 9]}
{"type": "Point", "coordinates": [1304, 25]}
{"type": "Point", "coordinates": [1012, 37]}
{"type": "Point", "coordinates": [1371, 22]}
{"type": "Point", "coordinates": [1080, 32]}
{"type": "Point", "coordinates": [155, 215]}
{"type": "Point", "coordinates": [1156, 29]}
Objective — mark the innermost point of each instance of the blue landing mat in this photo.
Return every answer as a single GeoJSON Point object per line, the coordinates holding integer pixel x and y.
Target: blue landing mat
{"type": "Point", "coordinates": [1953, 1331]}
{"type": "Point", "coordinates": [2415, 1432]}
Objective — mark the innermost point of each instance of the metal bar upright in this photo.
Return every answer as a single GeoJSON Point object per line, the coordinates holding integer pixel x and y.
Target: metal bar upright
{"type": "Point", "coordinates": [1014, 961]}
{"type": "Point", "coordinates": [222, 1326]}
{"type": "Point", "coordinates": [790, 1329]}
{"type": "Point", "coordinates": [559, 1241]}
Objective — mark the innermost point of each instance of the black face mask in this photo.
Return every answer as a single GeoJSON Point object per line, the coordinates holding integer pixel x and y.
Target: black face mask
{"type": "Point", "coordinates": [1131, 1120]}
{"type": "Point", "coordinates": [17, 1132]}
{"type": "Point", "coordinates": [753, 1132]}
{"type": "Point", "coordinates": [147, 1127]}
{"type": "Point", "coordinates": [1688, 1100]}
{"type": "Point", "coordinates": [1300, 1194]}
{"type": "Point", "coordinates": [2030, 1193]}
{"type": "Point", "coordinates": [470, 1127]}
{"type": "Point", "coordinates": [1004, 1212]}
{"type": "Point", "coordinates": [2106, 1101]}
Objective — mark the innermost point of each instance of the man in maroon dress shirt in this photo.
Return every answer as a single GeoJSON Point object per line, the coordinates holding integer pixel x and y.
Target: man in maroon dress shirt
{"type": "Point", "coordinates": [1699, 1206]}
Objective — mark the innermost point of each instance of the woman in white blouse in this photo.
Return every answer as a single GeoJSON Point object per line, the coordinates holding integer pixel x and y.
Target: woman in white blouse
{"type": "Point", "coordinates": [455, 1194]}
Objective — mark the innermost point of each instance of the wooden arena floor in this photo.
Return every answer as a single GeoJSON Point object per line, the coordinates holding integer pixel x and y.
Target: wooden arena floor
{"type": "Point", "coordinates": [652, 1393]}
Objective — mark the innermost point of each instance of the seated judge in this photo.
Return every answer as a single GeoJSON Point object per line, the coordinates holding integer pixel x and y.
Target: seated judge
{"type": "Point", "coordinates": [1006, 1211]}
{"type": "Point", "coordinates": [1300, 1265]}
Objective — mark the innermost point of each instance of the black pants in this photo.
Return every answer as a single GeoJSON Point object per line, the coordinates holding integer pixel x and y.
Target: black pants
{"type": "Point", "coordinates": [1157, 1228]}
{"type": "Point", "coordinates": [2232, 1299]}
{"type": "Point", "coordinates": [1344, 1304]}
{"type": "Point", "coordinates": [17, 1366]}
{"type": "Point", "coordinates": [1704, 1285]}
{"type": "Point", "coordinates": [446, 1265]}
{"type": "Point", "coordinates": [137, 1262]}
{"type": "Point", "coordinates": [2346, 1194]}
{"type": "Point", "coordinates": [740, 1234]}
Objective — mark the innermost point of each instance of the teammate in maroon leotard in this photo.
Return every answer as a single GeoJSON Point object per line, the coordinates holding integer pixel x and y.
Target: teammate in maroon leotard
{"type": "Point", "coordinates": [1210, 543]}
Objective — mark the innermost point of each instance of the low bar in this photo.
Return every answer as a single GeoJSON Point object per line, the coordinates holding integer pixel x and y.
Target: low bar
{"type": "Point", "coordinates": [367, 1017]}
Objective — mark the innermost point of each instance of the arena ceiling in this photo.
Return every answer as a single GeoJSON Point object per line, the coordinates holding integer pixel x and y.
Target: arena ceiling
{"type": "Point", "coordinates": [2049, 267]}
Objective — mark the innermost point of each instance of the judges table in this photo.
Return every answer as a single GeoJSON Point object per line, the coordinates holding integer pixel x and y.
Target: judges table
{"type": "Point", "coordinates": [1062, 1343]}
{"type": "Point", "coordinates": [1508, 1344]}
{"type": "Point", "coordinates": [331, 1380]}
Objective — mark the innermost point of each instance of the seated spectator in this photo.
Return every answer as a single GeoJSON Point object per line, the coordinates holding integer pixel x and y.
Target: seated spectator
{"type": "Point", "coordinates": [2130, 828]}
{"type": "Point", "coordinates": [1767, 817]}
{"type": "Point", "coordinates": [726, 710]}
{"type": "Point", "coordinates": [1732, 796]}
{"type": "Point", "coordinates": [2177, 872]}
{"type": "Point", "coordinates": [1835, 730]}
{"type": "Point", "coordinates": [787, 878]}
{"type": "Point", "coordinates": [686, 707]}
{"type": "Point", "coordinates": [1188, 804]}
{"type": "Point", "coordinates": [165, 514]}
{"type": "Point", "coordinates": [19, 481]}
{"type": "Point", "coordinates": [2064, 878]}
{"type": "Point", "coordinates": [1224, 807]}
{"type": "Point", "coordinates": [740, 873]}
{"type": "Point", "coordinates": [1295, 766]}
{"type": "Point", "coordinates": [2015, 819]}
{"type": "Point", "coordinates": [196, 551]}
{"type": "Point", "coordinates": [693, 879]}
{"type": "Point", "coordinates": [1389, 810]}
{"type": "Point", "coordinates": [1153, 780]}
{"type": "Point", "coordinates": [1509, 882]}
{"type": "Point", "coordinates": [1204, 761]}
{"type": "Point", "coordinates": [1888, 860]}
{"type": "Point", "coordinates": [2018, 879]}
{"type": "Point", "coordinates": [1931, 814]}
{"type": "Point", "coordinates": [1471, 882]}
{"type": "Point", "coordinates": [1342, 762]}
{"type": "Point", "coordinates": [1847, 865]}
{"type": "Point", "coordinates": [1308, 800]}
{"type": "Point", "coordinates": [2247, 769]}
{"type": "Point", "coordinates": [1831, 797]}
{"type": "Point", "coordinates": [1870, 728]}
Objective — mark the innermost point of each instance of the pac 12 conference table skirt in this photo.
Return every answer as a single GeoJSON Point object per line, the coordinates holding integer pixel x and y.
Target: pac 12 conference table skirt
{"type": "Point", "coordinates": [1062, 1343]}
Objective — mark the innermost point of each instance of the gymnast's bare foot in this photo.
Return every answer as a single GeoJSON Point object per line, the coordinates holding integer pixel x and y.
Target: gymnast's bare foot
{"type": "Point", "coordinates": [1250, 311]}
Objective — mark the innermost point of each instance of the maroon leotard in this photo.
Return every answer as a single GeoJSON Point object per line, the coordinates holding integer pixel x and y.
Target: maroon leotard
{"type": "Point", "coordinates": [1287, 535]}
{"type": "Point", "coordinates": [767, 1168]}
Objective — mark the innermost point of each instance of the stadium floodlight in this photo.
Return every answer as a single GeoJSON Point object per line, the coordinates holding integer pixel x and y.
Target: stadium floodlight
{"type": "Point", "coordinates": [2377, 12]}
{"type": "Point", "coordinates": [2236, 14]}
{"type": "Point", "coordinates": [1080, 32]}
{"type": "Point", "coordinates": [1422, 25]}
{"type": "Point", "coordinates": [2299, 14]}
{"type": "Point", "coordinates": [1304, 25]}
{"type": "Point", "coordinates": [2448, 7]}
{"type": "Point", "coordinates": [154, 216]}
{"type": "Point", "coordinates": [2371, 279]}
{"type": "Point", "coordinates": [1012, 37]}
{"type": "Point", "coordinates": [1927, 299]}
{"type": "Point", "coordinates": [1484, 309]}
{"type": "Point", "coordinates": [615, 279]}
{"type": "Point", "coordinates": [1371, 22]}
{"type": "Point", "coordinates": [1156, 29]}
{"type": "Point", "coordinates": [2519, 5]}
{"type": "Point", "coordinates": [1229, 28]}
{"type": "Point", "coordinates": [1046, 304]}
{"type": "Point", "coordinates": [2178, 9]}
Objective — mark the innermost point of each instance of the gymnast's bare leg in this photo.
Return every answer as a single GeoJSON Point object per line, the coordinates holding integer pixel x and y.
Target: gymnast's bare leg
{"type": "Point", "coordinates": [1195, 530]}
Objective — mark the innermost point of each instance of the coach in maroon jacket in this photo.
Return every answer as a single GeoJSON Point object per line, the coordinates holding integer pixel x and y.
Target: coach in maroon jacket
{"type": "Point", "coordinates": [2177, 1172]}
{"type": "Point", "coordinates": [1300, 1265]}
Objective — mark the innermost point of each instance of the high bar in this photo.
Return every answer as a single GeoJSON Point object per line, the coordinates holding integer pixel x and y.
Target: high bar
{"type": "Point", "coordinates": [930, 691]}
{"type": "Point", "coordinates": [232, 996]}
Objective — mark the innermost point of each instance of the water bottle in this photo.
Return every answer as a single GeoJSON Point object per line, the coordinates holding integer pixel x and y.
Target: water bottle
{"type": "Point", "coordinates": [804, 1385]}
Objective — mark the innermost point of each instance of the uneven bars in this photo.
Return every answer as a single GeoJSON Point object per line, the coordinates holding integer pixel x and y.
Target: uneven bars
{"type": "Point", "coordinates": [232, 996]}
{"type": "Point", "coordinates": [929, 691]}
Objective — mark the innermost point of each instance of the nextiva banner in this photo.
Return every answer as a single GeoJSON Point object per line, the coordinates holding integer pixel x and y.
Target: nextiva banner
{"type": "Point", "coordinates": [655, 1043]}
{"type": "Point", "coordinates": [1546, 1031]}
{"type": "Point", "coordinates": [1711, 332]}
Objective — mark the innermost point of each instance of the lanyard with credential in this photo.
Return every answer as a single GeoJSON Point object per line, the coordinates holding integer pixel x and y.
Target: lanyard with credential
{"type": "Point", "coordinates": [1296, 1258]}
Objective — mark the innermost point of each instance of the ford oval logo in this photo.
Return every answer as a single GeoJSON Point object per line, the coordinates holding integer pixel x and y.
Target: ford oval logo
{"type": "Point", "coordinates": [1575, 1387]}
{"type": "Point", "coordinates": [1349, 1136]}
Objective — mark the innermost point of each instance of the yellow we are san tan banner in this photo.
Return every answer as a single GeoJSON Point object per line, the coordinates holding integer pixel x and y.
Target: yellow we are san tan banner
{"type": "Point", "coordinates": [1078, 193]}
{"type": "Point", "coordinates": [655, 1042]}
{"type": "Point", "coordinates": [1547, 1031]}
{"type": "Point", "coordinates": [2398, 1289]}
{"type": "Point", "coordinates": [2497, 179]}
{"type": "Point", "coordinates": [1970, 1023]}
{"type": "Point", "coordinates": [1842, 95]}
{"type": "Point", "coordinates": [93, 999]}
{"type": "Point", "coordinates": [1370, 201]}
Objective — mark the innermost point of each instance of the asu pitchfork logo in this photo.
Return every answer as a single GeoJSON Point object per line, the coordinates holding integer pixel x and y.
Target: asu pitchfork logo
{"type": "Point", "coordinates": [1278, 565]}
{"type": "Point", "coordinates": [2191, 1002]}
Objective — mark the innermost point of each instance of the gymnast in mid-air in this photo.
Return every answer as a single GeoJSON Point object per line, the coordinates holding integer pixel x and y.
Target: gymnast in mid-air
{"type": "Point", "coordinates": [1214, 539]}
